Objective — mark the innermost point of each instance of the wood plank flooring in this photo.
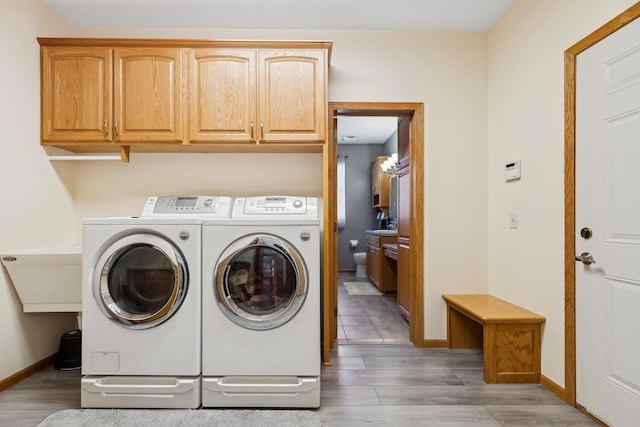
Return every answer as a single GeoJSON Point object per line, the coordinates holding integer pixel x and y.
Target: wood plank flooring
{"type": "Point", "coordinates": [372, 382]}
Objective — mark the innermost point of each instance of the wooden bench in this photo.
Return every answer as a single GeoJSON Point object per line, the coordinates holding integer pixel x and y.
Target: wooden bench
{"type": "Point", "coordinates": [508, 334]}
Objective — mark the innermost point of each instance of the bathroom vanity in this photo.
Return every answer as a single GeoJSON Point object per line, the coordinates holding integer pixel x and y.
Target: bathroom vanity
{"type": "Point", "coordinates": [381, 270]}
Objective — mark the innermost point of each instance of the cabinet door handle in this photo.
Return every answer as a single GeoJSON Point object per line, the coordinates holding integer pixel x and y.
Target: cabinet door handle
{"type": "Point", "coordinates": [261, 129]}
{"type": "Point", "coordinates": [105, 128]}
{"type": "Point", "coordinates": [251, 129]}
{"type": "Point", "coordinates": [115, 129]}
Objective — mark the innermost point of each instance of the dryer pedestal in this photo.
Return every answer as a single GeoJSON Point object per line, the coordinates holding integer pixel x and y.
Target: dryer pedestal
{"type": "Point", "coordinates": [261, 392]}
{"type": "Point", "coordinates": [140, 392]}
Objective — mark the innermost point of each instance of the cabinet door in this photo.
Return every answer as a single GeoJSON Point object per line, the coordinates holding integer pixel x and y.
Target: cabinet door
{"type": "Point", "coordinates": [404, 225]}
{"type": "Point", "coordinates": [148, 95]}
{"type": "Point", "coordinates": [379, 184]}
{"type": "Point", "coordinates": [376, 171]}
{"type": "Point", "coordinates": [76, 94]}
{"type": "Point", "coordinates": [292, 96]}
{"type": "Point", "coordinates": [404, 215]}
{"type": "Point", "coordinates": [404, 285]}
{"type": "Point", "coordinates": [369, 261]}
{"type": "Point", "coordinates": [375, 266]}
{"type": "Point", "coordinates": [223, 95]}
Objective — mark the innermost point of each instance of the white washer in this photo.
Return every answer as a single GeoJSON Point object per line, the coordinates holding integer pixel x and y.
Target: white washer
{"type": "Point", "coordinates": [261, 305]}
{"type": "Point", "coordinates": [141, 300]}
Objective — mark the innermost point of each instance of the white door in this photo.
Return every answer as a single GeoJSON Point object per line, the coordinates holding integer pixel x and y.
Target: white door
{"type": "Point", "coordinates": [608, 204]}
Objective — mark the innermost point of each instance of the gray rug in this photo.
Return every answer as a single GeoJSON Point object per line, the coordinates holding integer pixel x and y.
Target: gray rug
{"type": "Point", "coordinates": [181, 418]}
{"type": "Point", "coordinates": [361, 288]}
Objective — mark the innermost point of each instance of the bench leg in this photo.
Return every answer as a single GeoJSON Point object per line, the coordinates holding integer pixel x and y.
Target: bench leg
{"type": "Point", "coordinates": [512, 353]}
{"type": "Point", "coordinates": [462, 331]}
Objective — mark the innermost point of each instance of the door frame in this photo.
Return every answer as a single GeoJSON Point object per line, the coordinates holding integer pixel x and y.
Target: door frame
{"type": "Point", "coordinates": [570, 57]}
{"type": "Point", "coordinates": [415, 111]}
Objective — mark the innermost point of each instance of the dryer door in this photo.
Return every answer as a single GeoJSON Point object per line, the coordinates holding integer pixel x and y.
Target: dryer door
{"type": "Point", "coordinates": [141, 280]}
{"type": "Point", "coordinates": [260, 281]}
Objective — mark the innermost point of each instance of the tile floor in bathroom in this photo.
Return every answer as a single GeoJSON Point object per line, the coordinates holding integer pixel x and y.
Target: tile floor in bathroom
{"type": "Point", "coordinates": [368, 319]}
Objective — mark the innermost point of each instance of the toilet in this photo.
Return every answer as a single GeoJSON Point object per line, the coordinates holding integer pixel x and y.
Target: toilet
{"type": "Point", "coordinates": [360, 259]}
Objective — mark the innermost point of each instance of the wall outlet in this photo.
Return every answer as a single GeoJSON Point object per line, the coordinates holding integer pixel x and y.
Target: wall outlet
{"type": "Point", "coordinates": [513, 221]}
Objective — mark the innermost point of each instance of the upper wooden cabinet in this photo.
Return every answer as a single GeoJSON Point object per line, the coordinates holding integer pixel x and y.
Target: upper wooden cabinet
{"type": "Point", "coordinates": [97, 95]}
{"type": "Point", "coordinates": [379, 184]}
{"type": "Point", "coordinates": [292, 95]}
{"type": "Point", "coordinates": [222, 86]}
{"type": "Point", "coordinates": [184, 95]}
{"type": "Point", "coordinates": [77, 94]}
{"type": "Point", "coordinates": [148, 95]}
{"type": "Point", "coordinates": [258, 95]}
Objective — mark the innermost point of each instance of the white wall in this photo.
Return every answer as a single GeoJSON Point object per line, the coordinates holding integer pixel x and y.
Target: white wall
{"type": "Point", "coordinates": [36, 207]}
{"type": "Point", "coordinates": [447, 71]}
{"type": "Point", "coordinates": [526, 122]}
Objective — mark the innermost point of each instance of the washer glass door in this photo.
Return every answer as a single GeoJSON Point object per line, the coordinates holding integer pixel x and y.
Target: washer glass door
{"type": "Point", "coordinates": [142, 280]}
{"type": "Point", "coordinates": [260, 281]}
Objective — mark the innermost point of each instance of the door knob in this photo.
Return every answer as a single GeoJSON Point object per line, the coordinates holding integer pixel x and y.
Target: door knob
{"type": "Point", "coordinates": [585, 258]}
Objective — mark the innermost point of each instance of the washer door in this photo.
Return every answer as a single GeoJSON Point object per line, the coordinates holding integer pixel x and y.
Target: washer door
{"type": "Point", "coordinates": [260, 281]}
{"type": "Point", "coordinates": [142, 280]}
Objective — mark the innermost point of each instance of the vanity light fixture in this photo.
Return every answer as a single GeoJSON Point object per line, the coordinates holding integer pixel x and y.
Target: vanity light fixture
{"type": "Point", "coordinates": [390, 166]}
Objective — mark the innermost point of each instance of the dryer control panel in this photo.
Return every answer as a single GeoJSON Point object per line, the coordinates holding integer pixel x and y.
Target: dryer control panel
{"type": "Point", "coordinates": [208, 206]}
{"type": "Point", "coordinates": [273, 206]}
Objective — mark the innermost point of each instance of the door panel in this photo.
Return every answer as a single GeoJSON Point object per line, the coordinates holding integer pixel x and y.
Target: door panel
{"type": "Point", "coordinates": [608, 291]}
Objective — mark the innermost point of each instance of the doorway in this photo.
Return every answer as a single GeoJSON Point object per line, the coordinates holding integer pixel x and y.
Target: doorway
{"type": "Point", "coordinates": [368, 311]}
{"type": "Point", "coordinates": [413, 255]}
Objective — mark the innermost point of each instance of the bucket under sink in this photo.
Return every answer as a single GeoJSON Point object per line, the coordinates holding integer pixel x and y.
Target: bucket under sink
{"type": "Point", "coordinates": [47, 280]}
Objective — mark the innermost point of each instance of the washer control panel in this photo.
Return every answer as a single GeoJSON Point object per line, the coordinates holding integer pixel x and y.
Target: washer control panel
{"type": "Point", "coordinates": [217, 206]}
{"type": "Point", "coordinates": [276, 205]}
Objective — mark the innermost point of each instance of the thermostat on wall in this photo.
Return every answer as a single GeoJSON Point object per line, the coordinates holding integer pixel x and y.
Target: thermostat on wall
{"type": "Point", "coordinates": [512, 171]}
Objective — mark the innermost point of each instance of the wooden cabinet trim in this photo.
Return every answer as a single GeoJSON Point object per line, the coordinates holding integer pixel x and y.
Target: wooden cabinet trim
{"type": "Point", "coordinates": [186, 43]}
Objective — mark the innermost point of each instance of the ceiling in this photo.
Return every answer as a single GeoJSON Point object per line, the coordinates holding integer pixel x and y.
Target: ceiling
{"type": "Point", "coordinates": [475, 15]}
{"type": "Point", "coordinates": [430, 15]}
{"type": "Point", "coordinates": [365, 130]}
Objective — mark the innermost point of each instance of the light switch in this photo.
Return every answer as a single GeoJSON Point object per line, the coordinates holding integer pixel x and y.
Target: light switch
{"type": "Point", "coordinates": [513, 221]}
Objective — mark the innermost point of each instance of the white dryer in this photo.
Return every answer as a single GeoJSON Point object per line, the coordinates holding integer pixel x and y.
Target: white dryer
{"type": "Point", "coordinates": [141, 322]}
{"type": "Point", "coordinates": [261, 305]}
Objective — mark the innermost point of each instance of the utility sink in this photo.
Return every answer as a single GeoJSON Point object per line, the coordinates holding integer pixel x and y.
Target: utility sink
{"type": "Point", "coordinates": [47, 280]}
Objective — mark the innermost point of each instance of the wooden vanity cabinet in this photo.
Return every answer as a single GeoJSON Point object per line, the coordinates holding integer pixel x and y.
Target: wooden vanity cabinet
{"type": "Point", "coordinates": [258, 95]}
{"type": "Point", "coordinates": [99, 94]}
{"type": "Point", "coordinates": [380, 269]}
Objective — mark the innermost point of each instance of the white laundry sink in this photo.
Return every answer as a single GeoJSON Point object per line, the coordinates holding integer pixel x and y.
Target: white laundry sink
{"type": "Point", "coordinates": [47, 280]}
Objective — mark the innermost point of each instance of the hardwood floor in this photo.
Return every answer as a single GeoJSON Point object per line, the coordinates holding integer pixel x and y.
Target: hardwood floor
{"type": "Point", "coordinates": [367, 385]}
{"type": "Point", "coordinates": [374, 380]}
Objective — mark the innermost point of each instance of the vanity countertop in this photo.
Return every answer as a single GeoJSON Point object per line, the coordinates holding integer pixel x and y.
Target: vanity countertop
{"type": "Point", "coordinates": [382, 232]}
